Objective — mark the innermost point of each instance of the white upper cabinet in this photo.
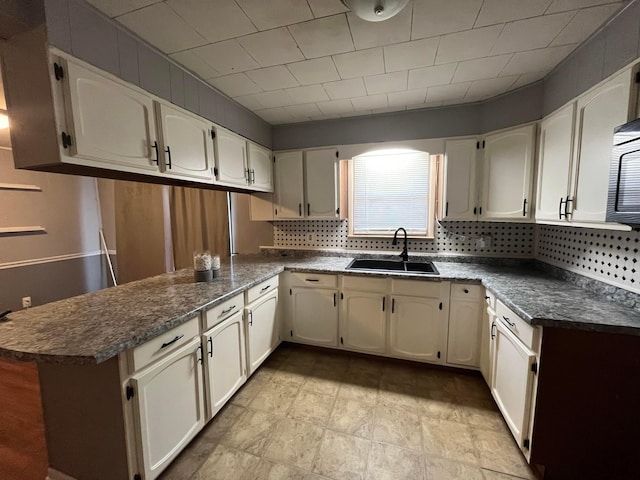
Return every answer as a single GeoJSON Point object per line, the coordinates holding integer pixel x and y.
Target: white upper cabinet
{"type": "Point", "coordinates": [321, 184]}
{"type": "Point", "coordinates": [598, 112]}
{"type": "Point", "coordinates": [289, 186]}
{"type": "Point", "coordinates": [460, 194]}
{"type": "Point", "coordinates": [554, 164]}
{"type": "Point", "coordinates": [186, 147]}
{"type": "Point", "coordinates": [107, 122]}
{"type": "Point", "coordinates": [231, 159]}
{"type": "Point", "coordinates": [260, 165]}
{"type": "Point", "coordinates": [507, 174]}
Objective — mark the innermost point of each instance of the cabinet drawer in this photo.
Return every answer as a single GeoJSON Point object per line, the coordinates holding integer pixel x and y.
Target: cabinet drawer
{"type": "Point", "coordinates": [416, 288]}
{"type": "Point", "coordinates": [466, 291]}
{"type": "Point", "coordinates": [527, 334]}
{"type": "Point", "coordinates": [364, 284]}
{"type": "Point", "coordinates": [260, 289]}
{"type": "Point", "coordinates": [224, 310]}
{"type": "Point", "coordinates": [167, 342]}
{"type": "Point", "coordinates": [490, 298]}
{"type": "Point", "coordinates": [300, 279]}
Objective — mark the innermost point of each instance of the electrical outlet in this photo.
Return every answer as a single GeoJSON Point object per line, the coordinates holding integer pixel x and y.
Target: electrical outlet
{"type": "Point", "coordinates": [480, 243]}
{"type": "Point", "coordinates": [26, 302]}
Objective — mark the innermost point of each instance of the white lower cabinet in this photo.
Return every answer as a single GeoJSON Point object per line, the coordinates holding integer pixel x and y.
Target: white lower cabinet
{"type": "Point", "coordinates": [168, 407]}
{"type": "Point", "coordinates": [363, 321]}
{"type": "Point", "coordinates": [225, 361]}
{"type": "Point", "coordinates": [313, 317]}
{"type": "Point", "coordinates": [465, 322]}
{"type": "Point", "coordinates": [263, 331]}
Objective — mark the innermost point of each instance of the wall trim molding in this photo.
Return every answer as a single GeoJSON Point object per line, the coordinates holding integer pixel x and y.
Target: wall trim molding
{"type": "Point", "coordinates": [57, 258]}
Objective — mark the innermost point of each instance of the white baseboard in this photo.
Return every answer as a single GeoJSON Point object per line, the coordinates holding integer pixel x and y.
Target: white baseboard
{"type": "Point", "coordinates": [54, 474]}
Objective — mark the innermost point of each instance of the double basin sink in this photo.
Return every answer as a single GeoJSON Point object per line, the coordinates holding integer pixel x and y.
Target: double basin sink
{"type": "Point", "coordinates": [421, 268]}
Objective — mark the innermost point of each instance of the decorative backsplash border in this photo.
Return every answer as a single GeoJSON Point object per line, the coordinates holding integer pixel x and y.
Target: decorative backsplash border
{"type": "Point", "coordinates": [514, 240]}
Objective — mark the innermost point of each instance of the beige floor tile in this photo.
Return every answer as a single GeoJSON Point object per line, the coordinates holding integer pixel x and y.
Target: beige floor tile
{"type": "Point", "coordinates": [491, 475]}
{"type": "Point", "coordinates": [499, 452]}
{"type": "Point", "coordinates": [342, 457]}
{"type": "Point", "coordinates": [387, 462]}
{"type": "Point", "coordinates": [322, 381]}
{"type": "Point", "coordinates": [275, 398]}
{"type": "Point", "coordinates": [290, 374]}
{"type": "Point", "coordinates": [471, 386]}
{"type": "Point", "coordinates": [294, 443]}
{"type": "Point", "coordinates": [397, 427]}
{"type": "Point", "coordinates": [437, 404]}
{"type": "Point", "coordinates": [401, 396]}
{"type": "Point", "coordinates": [223, 421]}
{"type": "Point", "coordinates": [352, 417]}
{"type": "Point", "coordinates": [366, 364]}
{"type": "Point", "coordinates": [191, 459]}
{"type": "Point", "coordinates": [251, 432]}
{"type": "Point", "coordinates": [311, 407]}
{"type": "Point", "coordinates": [431, 379]}
{"type": "Point", "coordinates": [398, 374]}
{"type": "Point", "coordinates": [248, 392]}
{"type": "Point", "coordinates": [267, 470]}
{"type": "Point", "coordinates": [361, 386]}
{"type": "Point", "coordinates": [439, 468]}
{"type": "Point", "coordinates": [265, 372]}
{"type": "Point", "coordinates": [228, 464]}
{"type": "Point", "coordinates": [303, 357]}
{"type": "Point", "coordinates": [481, 413]}
{"type": "Point", "coordinates": [448, 439]}
{"type": "Point", "coordinates": [333, 360]}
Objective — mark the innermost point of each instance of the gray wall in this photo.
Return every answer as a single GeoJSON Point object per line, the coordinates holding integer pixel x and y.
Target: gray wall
{"type": "Point", "coordinates": [79, 29]}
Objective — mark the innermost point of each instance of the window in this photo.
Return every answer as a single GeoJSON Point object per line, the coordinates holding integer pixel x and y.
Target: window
{"type": "Point", "coordinates": [391, 189]}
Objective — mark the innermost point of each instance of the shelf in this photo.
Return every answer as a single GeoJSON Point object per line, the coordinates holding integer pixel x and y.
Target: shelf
{"type": "Point", "coordinates": [15, 230]}
{"type": "Point", "coordinates": [18, 186]}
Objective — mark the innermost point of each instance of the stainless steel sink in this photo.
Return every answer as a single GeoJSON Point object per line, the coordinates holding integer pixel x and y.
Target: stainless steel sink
{"type": "Point", "coordinates": [422, 268]}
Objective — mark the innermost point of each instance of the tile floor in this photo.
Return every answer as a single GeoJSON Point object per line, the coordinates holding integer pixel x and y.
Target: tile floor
{"type": "Point", "coordinates": [312, 414]}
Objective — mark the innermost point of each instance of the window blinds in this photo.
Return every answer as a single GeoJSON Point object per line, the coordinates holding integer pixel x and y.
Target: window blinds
{"type": "Point", "coordinates": [391, 191]}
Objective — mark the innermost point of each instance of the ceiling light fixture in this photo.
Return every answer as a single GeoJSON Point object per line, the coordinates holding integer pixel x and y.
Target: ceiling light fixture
{"type": "Point", "coordinates": [375, 10]}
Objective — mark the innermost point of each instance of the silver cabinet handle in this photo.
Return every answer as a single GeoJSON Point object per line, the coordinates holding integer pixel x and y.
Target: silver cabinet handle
{"type": "Point", "coordinates": [250, 318]}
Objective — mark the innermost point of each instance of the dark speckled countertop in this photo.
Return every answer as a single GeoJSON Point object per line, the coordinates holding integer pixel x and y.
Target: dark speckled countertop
{"type": "Point", "coordinates": [94, 327]}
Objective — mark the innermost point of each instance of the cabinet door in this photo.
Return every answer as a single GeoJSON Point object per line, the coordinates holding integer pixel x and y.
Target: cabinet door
{"type": "Point", "coordinates": [512, 381]}
{"type": "Point", "coordinates": [598, 112]}
{"type": "Point", "coordinates": [417, 329]}
{"type": "Point", "coordinates": [507, 169]}
{"type": "Point", "coordinates": [486, 343]}
{"type": "Point", "coordinates": [321, 183]}
{"type": "Point", "coordinates": [262, 329]}
{"type": "Point", "coordinates": [289, 186]}
{"type": "Point", "coordinates": [231, 158]}
{"type": "Point", "coordinates": [465, 320]}
{"type": "Point", "coordinates": [110, 122]}
{"type": "Point", "coordinates": [313, 316]}
{"type": "Point", "coordinates": [168, 406]}
{"type": "Point", "coordinates": [225, 365]}
{"type": "Point", "coordinates": [186, 143]}
{"type": "Point", "coordinates": [261, 168]}
{"type": "Point", "coordinates": [459, 194]}
{"type": "Point", "coordinates": [363, 321]}
{"type": "Point", "coordinates": [554, 163]}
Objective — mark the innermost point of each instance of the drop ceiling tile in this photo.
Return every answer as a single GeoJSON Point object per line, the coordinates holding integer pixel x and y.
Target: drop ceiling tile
{"type": "Point", "coordinates": [335, 107]}
{"type": "Point", "coordinates": [345, 88]}
{"type": "Point", "coordinates": [385, 83]}
{"type": "Point", "coordinates": [370, 102]}
{"type": "Point", "coordinates": [444, 93]}
{"type": "Point", "coordinates": [527, 78]}
{"type": "Point", "coordinates": [194, 63]}
{"type": "Point", "coordinates": [415, 54]}
{"type": "Point", "coordinates": [114, 8]}
{"type": "Point", "coordinates": [303, 112]}
{"type": "Point", "coordinates": [273, 47]}
{"type": "Point", "coordinates": [215, 21]}
{"type": "Point", "coordinates": [325, 117]}
{"type": "Point", "coordinates": [235, 84]}
{"type": "Point", "coordinates": [318, 70]}
{"type": "Point", "coordinates": [438, 17]}
{"type": "Point", "coordinates": [273, 78]}
{"type": "Point", "coordinates": [356, 114]}
{"type": "Point", "coordinates": [396, 108]}
{"type": "Point", "coordinates": [501, 11]}
{"type": "Point", "coordinates": [152, 24]}
{"type": "Point", "coordinates": [433, 104]}
{"type": "Point", "coordinates": [431, 76]}
{"type": "Point", "coordinates": [536, 60]}
{"type": "Point", "coordinates": [584, 23]}
{"type": "Point", "coordinates": [481, 89]}
{"type": "Point", "coordinates": [275, 98]}
{"type": "Point", "coordinates": [488, 67]}
{"type": "Point", "coordinates": [376, 34]}
{"type": "Point", "coordinates": [532, 33]}
{"type": "Point", "coordinates": [408, 97]}
{"type": "Point", "coordinates": [467, 45]}
{"type": "Point", "coordinates": [324, 8]}
{"type": "Point", "coordinates": [360, 63]}
{"type": "Point", "coordinates": [250, 101]}
{"type": "Point", "coordinates": [226, 57]}
{"type": "Point", "coordinates": [324, 36]}
{"type": "Point", "coordinates": [307, 94]}
{"type": "Point", "coordinates": [275, 13]}
{"type": "Point", "coordinates": [564, 5]}
{"type": "Point", "coordinates": [275, 115]}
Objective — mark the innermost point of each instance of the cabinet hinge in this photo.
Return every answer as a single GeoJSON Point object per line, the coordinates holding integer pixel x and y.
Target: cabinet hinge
{"type": "Point", "coordinates": [637, 77]}
{"type": "Point", "coordinates": [290, 291]}
{"type": "Point", "coordinates": [341, 341]}
{"type": "Point", "coordinates": [477, 145]}
{"type": "Point", "coordinates": [341, 296]}
{"type": "Point", "coordinates": [534, 367]}
{"type": "Point", "coordinates": [274, 159]}
{"type": "Point", "coordinates": [213, 134]}
{"type": "Point", "coordinates": [215, 171]}
{"type": "Point", "coordinates": [446, 209]}
{"type": "Point", "coordinates": [438, 354]}
{"type": "Point", "coordinates": [337, 154]}
{"type": "Point", "coordinates": [276, 212]}
{"type": "Point", "coordinates": [526, 443]}
{"type": "Point", "coordinates": [440, 306]}
{"type": "Point", "coordinates": [291, 333]}
{"type": "Point", "coordinates": [58, 71]}
{"type": "Point", "coordinates": [66, 139]}
{"type": "Point", "coordinates": [338, 211]}
{"type": "Point", "coordinates": [129, 392]}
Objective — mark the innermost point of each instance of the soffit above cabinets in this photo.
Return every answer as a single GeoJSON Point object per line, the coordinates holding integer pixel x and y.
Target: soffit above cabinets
{"type": "Point", "coordinates": [433, 53]}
